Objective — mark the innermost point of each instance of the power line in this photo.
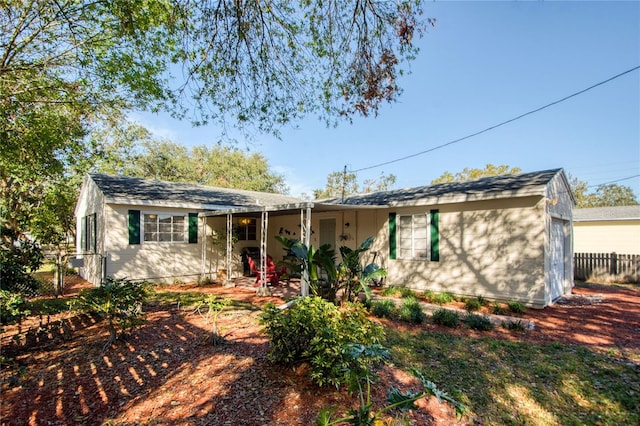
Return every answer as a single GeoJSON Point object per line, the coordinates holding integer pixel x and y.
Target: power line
{"type": "Point", "coordinates": [614, 181]}
{"type": "Point", "coordinates": [499, 124]}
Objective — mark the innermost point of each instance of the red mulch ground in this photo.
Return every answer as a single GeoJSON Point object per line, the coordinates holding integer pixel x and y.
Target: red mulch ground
{"type": "Point", "coordinates": [165, 375]}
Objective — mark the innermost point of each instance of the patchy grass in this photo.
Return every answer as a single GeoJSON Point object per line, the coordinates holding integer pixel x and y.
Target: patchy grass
{"type": "Point", "coordinates": [191, 299]}
{"type": "Point", "coordinates": [506, 382]}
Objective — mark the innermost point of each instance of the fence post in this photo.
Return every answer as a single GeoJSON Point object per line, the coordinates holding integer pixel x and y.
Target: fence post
{"type": "Point", "coordinates": [613, 267]}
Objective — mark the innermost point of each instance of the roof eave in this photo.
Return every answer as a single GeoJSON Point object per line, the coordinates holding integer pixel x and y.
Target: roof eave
{"type": "Point", "coordinates": [164, 203]}
{"type": "Point", "coordinates": [609, 219]}
{"type": "Point", "coordinates": [256, 209]}
{"type": "Point", "coordinates": [464, 198]}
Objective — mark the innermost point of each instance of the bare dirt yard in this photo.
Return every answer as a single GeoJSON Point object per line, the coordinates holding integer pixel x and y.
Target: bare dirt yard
{"type": "Point", "coordinates": [164, 373]}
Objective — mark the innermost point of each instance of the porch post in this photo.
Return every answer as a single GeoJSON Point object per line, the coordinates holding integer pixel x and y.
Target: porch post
{"type": "Point", "coordinates": [263, 290]}
{"type": "Point", "coordinates": [203, 265]}
{"type": "Point", "coordinates": [229, 250]}
{"type": "Point", "coordinates": [305, 226]}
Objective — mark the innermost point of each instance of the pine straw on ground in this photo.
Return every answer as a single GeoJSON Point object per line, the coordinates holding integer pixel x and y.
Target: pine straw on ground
{"type": "Point", "coordinates": [164, 373]}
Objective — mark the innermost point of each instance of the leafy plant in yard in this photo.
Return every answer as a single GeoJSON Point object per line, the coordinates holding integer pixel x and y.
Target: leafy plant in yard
{"type": "Point", "coordinates": [478, 322]}
{"type": "Point", "coordinates": [210, 308]}
{"type": "Point", "coordinates": [443, 298]}
{"type": "Point", "coordinates": [411, 311]}
{"type": "Point", "coordinates": [516, 307]}
{"type": "Point", "coordinates": [119, 301]}
{"type": "Point", "coordinates": [11, 307]}
{"type": "Point", "coordinates": [315, 331]}
{"type": "Point", "coordinates": [472, 305]}
{"type": "Point", "coordinates": [318, 264]}
{"type": "Point", "coordinates": [353, 276]}
{"type": "Point", "coordinates": [428, 295]}
{"type": "Point", "coordinates": [361, 377]}
{"type": "Point", "coordinates": [445, 317]}
{"type": "Point", "coordinates": [514, 325]}
{"type": "Point", "coordinates": [397, 291]}
{"type": "Point", "coordinates": [326, 279]}
{"type": "Point", "coordinates": [383, 308]}
{"type": "Point", "coordinates": [19, 259]}
{"type": "Point", "coordinates": [498, 309]}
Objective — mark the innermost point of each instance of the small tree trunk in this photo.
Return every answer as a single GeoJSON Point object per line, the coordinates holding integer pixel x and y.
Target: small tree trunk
{"type": "Point", "coordinates": [58, 279]}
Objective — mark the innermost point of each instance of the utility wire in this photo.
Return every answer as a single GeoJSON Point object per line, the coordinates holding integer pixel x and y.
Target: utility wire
{"type": "Point", "coordinates": [614, 181]}
{"type": "Point", "coordinates": [499, 124]}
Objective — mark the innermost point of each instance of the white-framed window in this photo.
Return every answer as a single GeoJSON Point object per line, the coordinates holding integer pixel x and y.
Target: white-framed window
{"type": "Point", "coordinates": [161, 228]}
{"type": "Point", "coordinates": [414, 236]}
{"type": "Point", "coordinates": [247, 229]}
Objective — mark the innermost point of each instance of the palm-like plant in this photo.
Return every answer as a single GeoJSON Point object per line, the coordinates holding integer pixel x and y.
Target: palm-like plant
{"type": "Point", "coordinates": [353, 275]}
{"type": "Point", "coordinates": [316, 262]}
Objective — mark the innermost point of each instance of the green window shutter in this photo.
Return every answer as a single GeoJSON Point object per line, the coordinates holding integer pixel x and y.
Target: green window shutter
{"type": "Point", "coordinates": [392, 235]}
{"type": "Point", "coordinates": [435, 235]}
{"type": "Point", "coordinates": [95, 233]}
{"type": "Point", "coordinates": [134, 226]}
{"type": "Point", "coordinates": [193, 228]}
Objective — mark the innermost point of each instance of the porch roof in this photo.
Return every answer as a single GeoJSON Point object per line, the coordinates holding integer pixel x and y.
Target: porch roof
{"type": "Point", "coordinates": [281, 209]}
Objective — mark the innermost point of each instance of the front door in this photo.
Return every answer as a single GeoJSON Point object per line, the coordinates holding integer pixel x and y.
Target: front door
{"type": "Point", "coordinates": [328, 232]}
{"type": "Point", "coordinates": [557, 259]}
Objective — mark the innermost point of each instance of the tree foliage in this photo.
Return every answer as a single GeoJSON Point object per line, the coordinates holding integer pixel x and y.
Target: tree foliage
{"type": "Point", "coordinates": [221, 165]}
{"type": "Point", "coordinates": [608, 195]}
{"type": "Point", "coordinates": [468, 173]}
{"type": "Point", "coordinates": [345, 183]}
{"type": "Point", "coordinates": [68, 66]}
{"type": "Point", "coordinates": [258, 63]}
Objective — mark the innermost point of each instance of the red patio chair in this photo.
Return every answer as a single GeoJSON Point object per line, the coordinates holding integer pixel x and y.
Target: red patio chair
{"type": "Point", "coordinates": [273, 273]}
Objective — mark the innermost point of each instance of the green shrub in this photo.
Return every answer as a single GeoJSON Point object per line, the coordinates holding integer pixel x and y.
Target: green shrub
{"type": "Point", "coordinates": [11, 307]}
{"type": "Point", "coordinates": [478, 322]}
{"type": "Point", "coordinates": [428, 295]}
{"type": "Point", "coordinates": [316, 331]}
{"type": "Point", "coordinates": [119, 301]}
{"type": "Point", "coordinates": [472, 305]}
{"type": "Point", "coordinates": [498, 309]}
{"type": "Point", "coordinates": [384, 308]}
{"type": "Point", "coordinates": [411, 311]}
{"type": "Point", "coordinates": [397, 291]}
{"type": "Point", "coordinates": [443, 298]}
{"type": "Point", "coordinates": [516, 307]}
{"type": "Point", "coordinates": [48, 306]}
{"type": "Point", "coordinates": [514, 325]}
{"type": "Point", "coordinates": [482, 300]}
{"type": "Point", "coordinates": [446, 317]}
{"type": "Point", "coordinates": [19, 259]}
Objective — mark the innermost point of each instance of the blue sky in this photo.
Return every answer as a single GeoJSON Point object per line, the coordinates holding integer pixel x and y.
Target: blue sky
{"type": "Point", "coordinates": [482, 64]}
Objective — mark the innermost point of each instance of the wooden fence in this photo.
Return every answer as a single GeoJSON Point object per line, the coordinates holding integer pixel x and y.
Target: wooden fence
{"type": "Point", "coordinates": [611, 267]}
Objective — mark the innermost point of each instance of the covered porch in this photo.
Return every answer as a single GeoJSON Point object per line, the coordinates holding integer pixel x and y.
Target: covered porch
{"type": "Point", "coordinates": [233, 235]}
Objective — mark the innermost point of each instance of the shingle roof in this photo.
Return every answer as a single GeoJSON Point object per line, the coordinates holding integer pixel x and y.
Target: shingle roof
{"type": "Point", "coordinates": [607, 213]}
{"type": "Point", "coordinates": [123, 187]}
{"type": "Point", "coordinates": [484, 186]}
